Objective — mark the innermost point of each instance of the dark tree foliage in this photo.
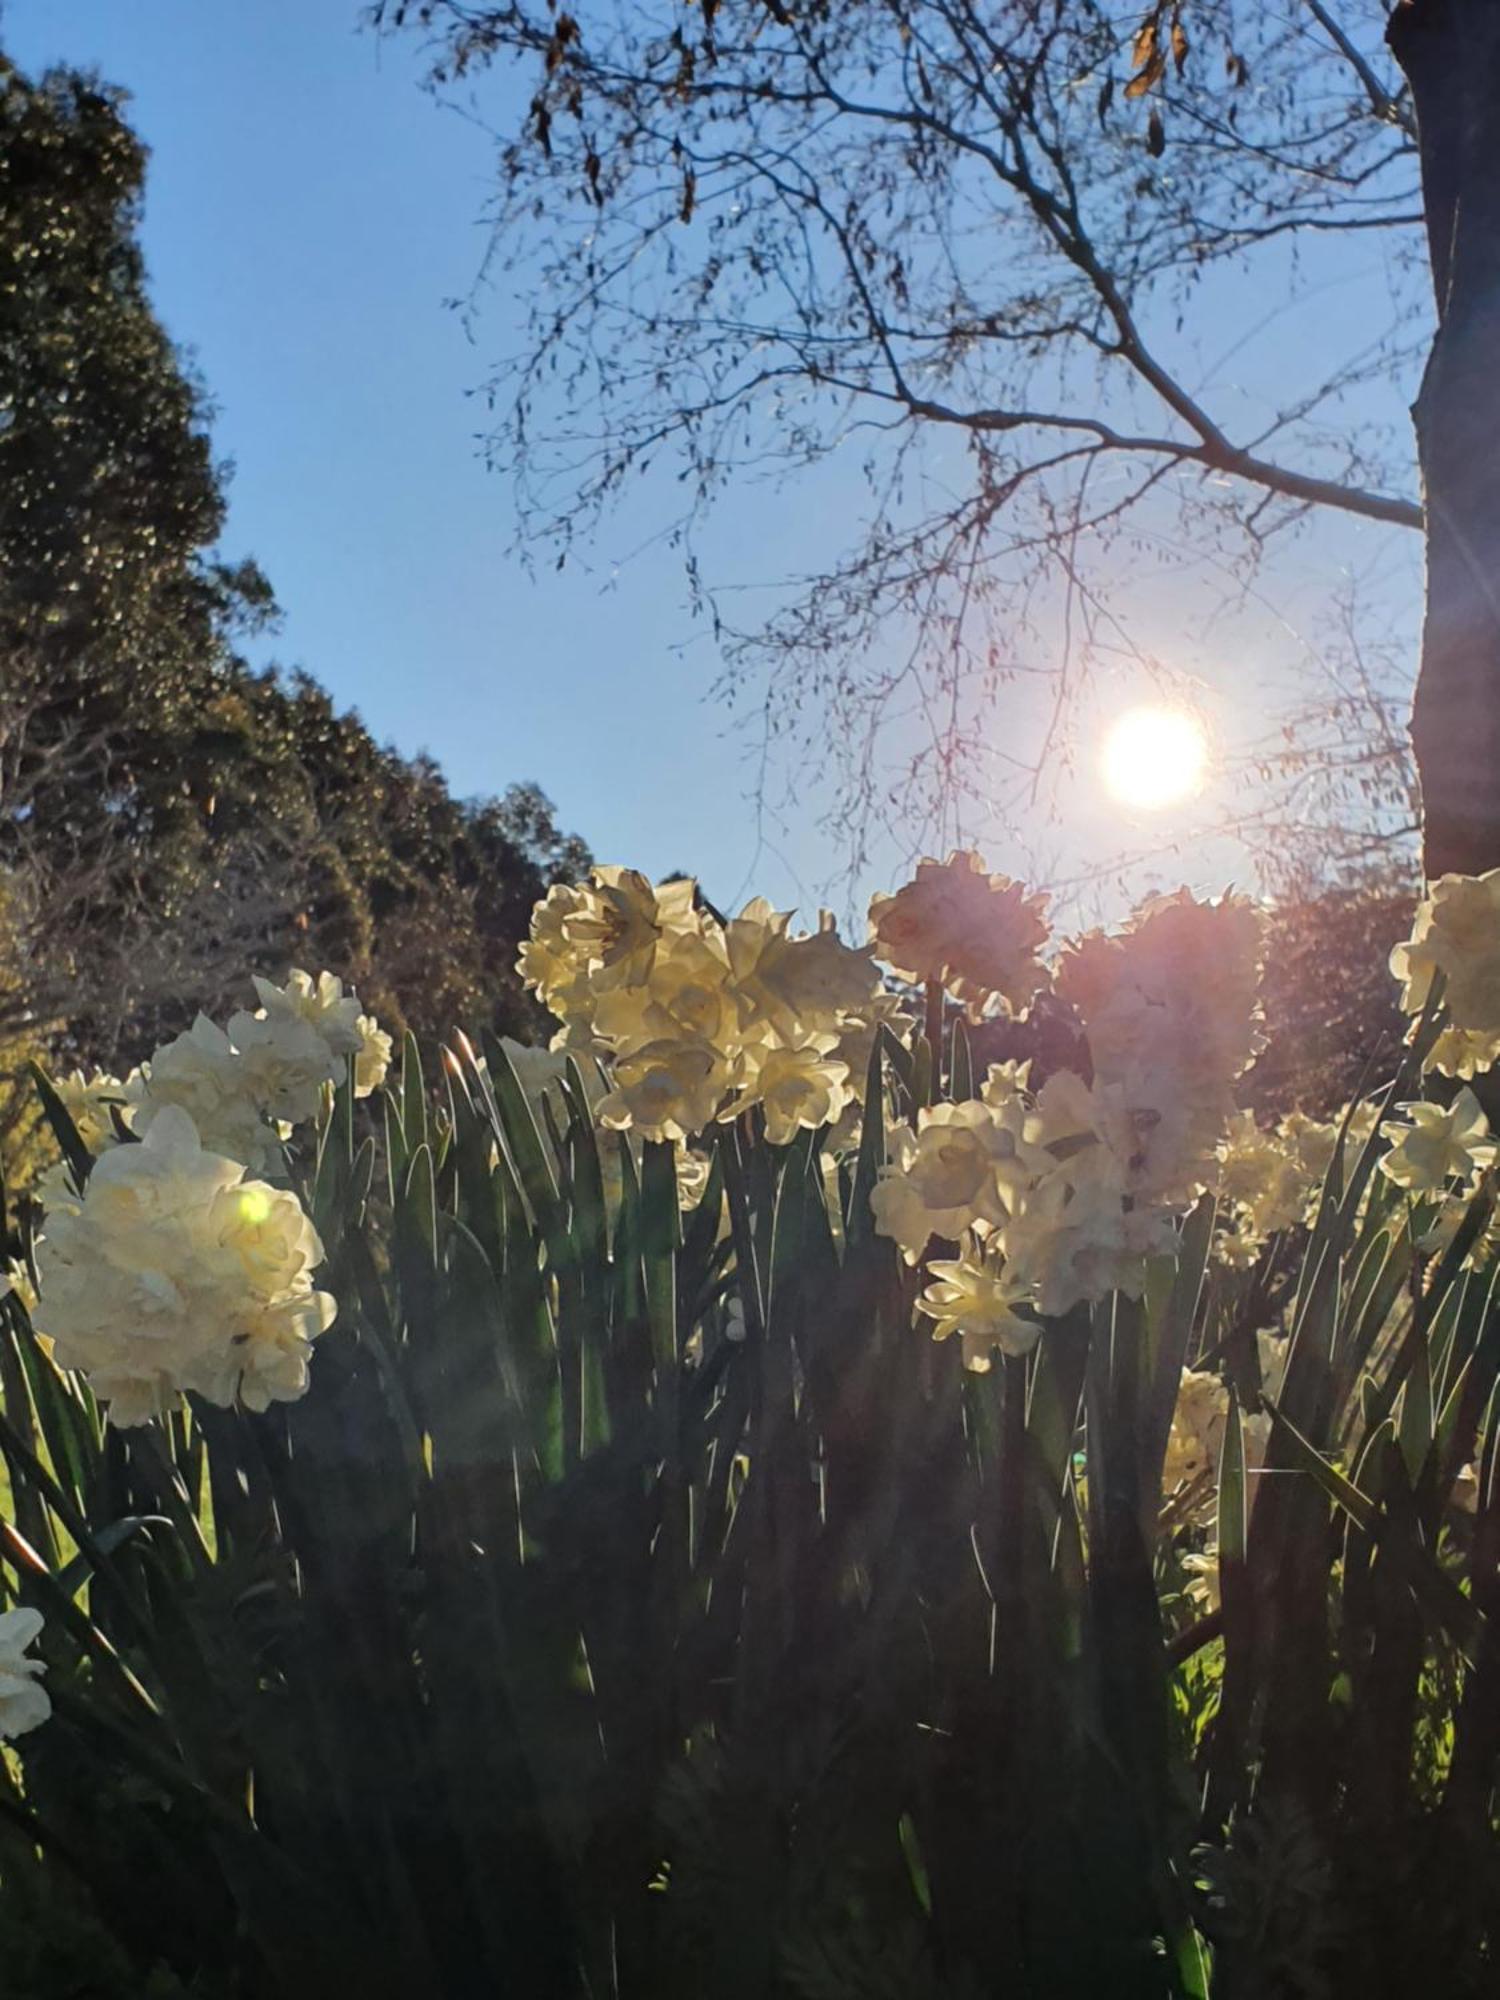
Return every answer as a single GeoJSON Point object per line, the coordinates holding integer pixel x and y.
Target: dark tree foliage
{"type": "Point", "coordinates": [1333, 1027]}
{"type": "Point", "coordinates": [420, 898]}
{"type": "Point", "coordinates": [170, 819]}
{"type": "Point", "coordinates": [111, 610]}
{"type": "Point", "coordinates": [424, 898]}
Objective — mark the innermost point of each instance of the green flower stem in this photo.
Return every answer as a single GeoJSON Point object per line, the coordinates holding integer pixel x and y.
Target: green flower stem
{"type": "Point", "coordinates": [934, 1032]}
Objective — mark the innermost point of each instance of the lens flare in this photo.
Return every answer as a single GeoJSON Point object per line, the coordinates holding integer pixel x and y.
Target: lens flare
{"type": "Point", "coordinates": [1154, 758]}
{"type": "Point", "coordinates": [255, 1205]}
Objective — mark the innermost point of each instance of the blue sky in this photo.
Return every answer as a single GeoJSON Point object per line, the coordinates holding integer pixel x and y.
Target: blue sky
{"type": "Point", "coordinates": [309, 210]}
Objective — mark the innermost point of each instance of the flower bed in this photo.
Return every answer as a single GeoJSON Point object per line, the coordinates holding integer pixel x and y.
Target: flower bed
{"type": "Point", "coordinates": [508, 1523]}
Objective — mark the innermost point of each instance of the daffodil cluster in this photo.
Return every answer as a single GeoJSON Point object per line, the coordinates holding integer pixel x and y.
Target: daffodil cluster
{"type": "Point", "coordinates": [1047, 1198]}
{"type": "Point", "coordinates": [1063, 1195]}
{"type": "Point", "coordinates": [700, 1020]}
{"type": "Point", "coordinates": [173, 1271]}
{"type": "Point", "coordinates": [92, 1102]}
{"type": "Point", "coordinates": [1195, 1442]}
{"type": "Point", "coordinates": [1271, 1178]}
{"type": "Point", "coordinates": [245, 1086]}
{"type": "Point", "coordinates": [1034, 1192]}
{"type": "Point", "coordinates": [1195, 1447]}
{"type": "Point", "coordinates": [1169, 1008]}
{"type": "Point", "coordinates": [1457, 935]}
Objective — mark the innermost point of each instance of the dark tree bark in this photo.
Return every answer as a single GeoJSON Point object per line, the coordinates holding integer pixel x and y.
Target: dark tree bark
{"type": "Point", "coordinates": [1450, 53]}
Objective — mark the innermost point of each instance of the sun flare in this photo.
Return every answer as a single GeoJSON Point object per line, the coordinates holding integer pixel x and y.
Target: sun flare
{"type": "Point", "coordinates": [1154, 757]}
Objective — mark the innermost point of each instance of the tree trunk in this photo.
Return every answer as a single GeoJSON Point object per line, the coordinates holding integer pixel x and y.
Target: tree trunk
{"type": "Point", "coordinates": [1450, 53]}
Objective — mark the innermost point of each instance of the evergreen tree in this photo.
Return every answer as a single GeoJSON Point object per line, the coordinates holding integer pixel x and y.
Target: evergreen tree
{"type": "Point", "coordinates": [171, 820]}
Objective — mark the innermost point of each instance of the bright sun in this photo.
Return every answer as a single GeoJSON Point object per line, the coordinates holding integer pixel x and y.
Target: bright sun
{"type": "Point", "coordinates": [1154, 757]}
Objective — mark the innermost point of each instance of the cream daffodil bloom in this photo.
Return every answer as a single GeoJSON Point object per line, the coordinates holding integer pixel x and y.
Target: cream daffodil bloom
{"type": "Point", "coordinates": [1069, 1242]}
{"type": "Point", "coordinates": [1006, 1080]}
{"type": "Point", "coordinates": [321, 1003]}
{"type": "Point", "coordinates": [857, 1033]}
{"type": "Point", "coordinates": [685, 993]}
{"type": "Point", "coordinates": [1196, 1440]}
{"type": "Point", "coordinates": [1313, 1141]}
{"type": "Point", "coordinates": [553, 964]}
{"type": "Point", "coordinates": [798, 1088]}
{"type": "Point", "coordinates": [246, 1087]}
{"type": "Point", "coordinates": [1262, 1177]}
{"type": "Point", "coordinates": [1077, 1235]}
{"type": "Point", "coordinates": [1437, 1240]}
{"type": "Point", "coordinates": [199, 1073]}
{"type": "Point", "coordinates": [174, 1272]}
{"type": "Point", "coordinates": [605, 934]}
{"type": "Point", "coordinates": [268, 1250]}
{"type": "Point", "coordinates": [977, 933]}
{"type": "Point", "coordinates": [693, 1172]}
{"type": "Point", "coordinates": [667, 1089]}
{"type": "Point", "coordinates": [1239, 1247]}
{"type": "Point", "coordinates": [24, 1702]}
{"type": "Point", "coordinates": [1145, 1144]}
{"type": "Point", "coordinates": [620, 919]}
{"type": "Point", "coordinates": [1092, 1176]}
{"type": "Point", "coordinates": [1272, 1180]}
{"type": "Point", "coordinates": [794, 985]}
{"type": "Point", "coordinates": [1457, 934]}
{"type": "Point", "coordinates": [1169, 1008]}
{"type": "Point", "coordinates": [1437, 1145]}
{"type": "Point", "coordinates": [1195, 1444]}
{"type": "Point", "coordinates": [372, 1059]}
{"type": "Point", "coordinates": [1465, 1052]}
{"type": "Point", "coordinates": [956, 1169]}
{"type": "Point", "coordinates": [974, 1297]}
{"type": "Point", "coordinates": [283, 1063]}
{"type": "Point", "coordinates": [281, 1060]}
{"type": "Point", "coordinates": [1061, 1111]}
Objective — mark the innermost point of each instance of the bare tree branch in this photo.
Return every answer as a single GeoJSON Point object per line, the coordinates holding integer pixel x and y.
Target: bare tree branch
{"type": "Point", "coordinates": [749, 242]}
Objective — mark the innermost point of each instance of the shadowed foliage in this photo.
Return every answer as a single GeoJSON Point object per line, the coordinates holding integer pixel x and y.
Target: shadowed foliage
{"type": "Point", "coordinates": [637, 1608]}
